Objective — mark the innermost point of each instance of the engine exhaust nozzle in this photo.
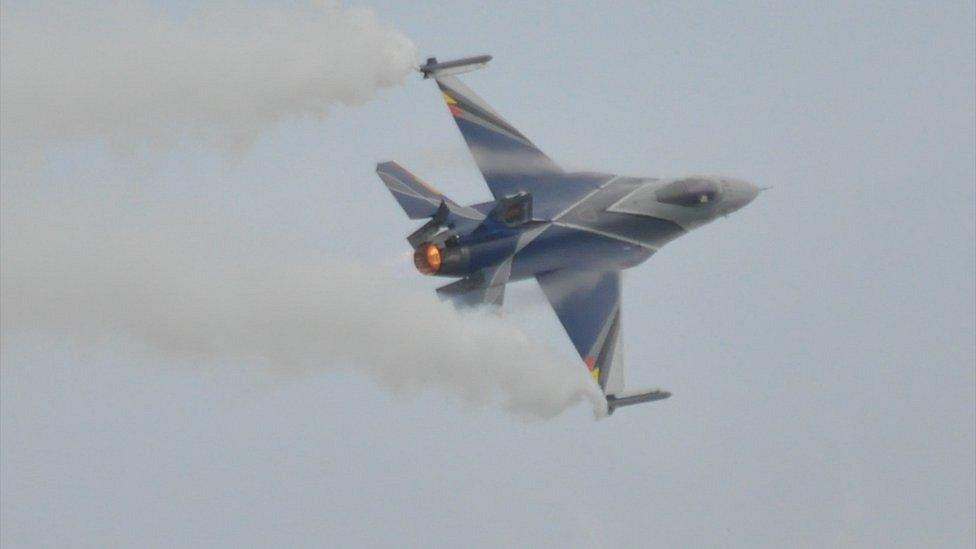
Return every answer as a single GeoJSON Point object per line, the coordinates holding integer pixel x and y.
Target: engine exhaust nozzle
{"type": "Point", "coordinates": [427, 258]}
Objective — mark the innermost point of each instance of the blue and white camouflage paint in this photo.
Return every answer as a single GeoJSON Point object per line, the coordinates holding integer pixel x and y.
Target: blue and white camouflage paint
{"type": "Point", "coordinates": [574, 232]}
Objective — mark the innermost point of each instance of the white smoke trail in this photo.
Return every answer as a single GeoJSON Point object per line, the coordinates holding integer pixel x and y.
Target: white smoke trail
{"type": "Point", "coordinates": [127, 72]}
{"type": "Point", "coordinates": [185, 293]}
{"type": "Point", "coordinates": [222, 74]}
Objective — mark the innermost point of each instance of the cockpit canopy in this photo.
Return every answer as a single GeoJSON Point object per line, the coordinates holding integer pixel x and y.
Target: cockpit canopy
{"type": "Point", "coordinates": [689, 192]}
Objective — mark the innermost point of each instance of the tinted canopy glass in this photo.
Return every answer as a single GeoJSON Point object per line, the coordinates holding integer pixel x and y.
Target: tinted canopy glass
{"type": "Point", "coordinates": [689, 192]}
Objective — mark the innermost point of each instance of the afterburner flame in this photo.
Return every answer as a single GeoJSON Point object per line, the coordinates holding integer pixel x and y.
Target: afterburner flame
{"type": "Point", "coordinates": [427, 258]}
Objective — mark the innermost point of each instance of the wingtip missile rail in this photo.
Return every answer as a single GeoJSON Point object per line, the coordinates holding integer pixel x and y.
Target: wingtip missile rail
{"type": "Point", "coordinates": [435, 68]}
{"type": "Point", "coordinates": [629, 399]}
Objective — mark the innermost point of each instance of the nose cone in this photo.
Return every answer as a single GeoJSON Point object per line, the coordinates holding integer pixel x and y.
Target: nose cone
{"type": "Point", "coordinates": [750, 191]}
{"type": "Point", "coordinates": [743, 193]}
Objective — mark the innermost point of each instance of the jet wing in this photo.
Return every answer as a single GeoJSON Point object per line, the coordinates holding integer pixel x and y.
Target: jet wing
{"type": "Point", "coordinates": [509, 162]}
{"type": "Point", "coordinates": [588, 306]}
{"type": "Point", "coordinates": [502, 153]}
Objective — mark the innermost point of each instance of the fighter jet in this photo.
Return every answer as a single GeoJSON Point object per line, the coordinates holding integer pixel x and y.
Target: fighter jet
{"type": "Point", "coordinates": [573, 232]}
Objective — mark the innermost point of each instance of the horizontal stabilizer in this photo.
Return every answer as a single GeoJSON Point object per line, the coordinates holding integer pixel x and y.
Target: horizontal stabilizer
{"type": "Point", "coordinates": [417, 198]}
{"type": "Point", "coordinates": [436, 69]}
{"type": "Point", "coordinates": [472, 292]}
{"type": "Point", "coordinates": [485, 287]}
{"type": "Point", "coordinates": [631, 398]}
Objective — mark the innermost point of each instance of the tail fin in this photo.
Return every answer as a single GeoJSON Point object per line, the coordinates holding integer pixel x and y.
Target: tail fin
{"type": "Point", "coordinates": [417, 198]}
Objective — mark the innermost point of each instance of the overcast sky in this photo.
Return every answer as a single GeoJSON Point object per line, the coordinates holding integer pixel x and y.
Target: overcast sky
{"type": "Point", "coordinates": [820, 343]}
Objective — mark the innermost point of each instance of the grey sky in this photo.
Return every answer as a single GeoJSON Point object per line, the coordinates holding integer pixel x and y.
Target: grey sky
{"type": "Point", "coordinates": [819, 343]}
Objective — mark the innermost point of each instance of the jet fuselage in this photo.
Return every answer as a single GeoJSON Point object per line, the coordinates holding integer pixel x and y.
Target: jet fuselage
{"type": "Point", "coordinates": [616, 226]}
{"type": "Point", "coordinates": [574, 232]}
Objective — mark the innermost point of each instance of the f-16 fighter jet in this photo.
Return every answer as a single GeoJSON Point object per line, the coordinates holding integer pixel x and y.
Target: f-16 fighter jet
{"type": "Point", "coordinates": [574, 232]}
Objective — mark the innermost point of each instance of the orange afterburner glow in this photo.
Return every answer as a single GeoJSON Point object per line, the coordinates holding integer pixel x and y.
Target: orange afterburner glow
{"type": "Point", "coordinates": [427, 258]}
